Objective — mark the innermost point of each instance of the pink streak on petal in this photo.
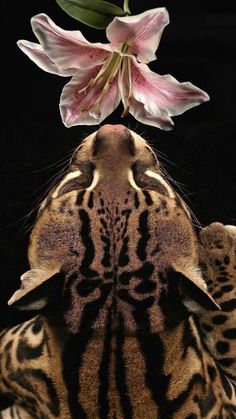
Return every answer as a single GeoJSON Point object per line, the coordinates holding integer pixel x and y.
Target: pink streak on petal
{"type": "Point", "coordinates": [161, 96]}
{"type": "Point", "coordinates": [137, 109]}
{"type": "Point", "coordinates": [36, 53]}
{"type": "Point", "coordinates": [68, 49]}
{"type": "Point", "coordinates": [72, 101]}
{"type": "Point", "coordinates": [141, 32]}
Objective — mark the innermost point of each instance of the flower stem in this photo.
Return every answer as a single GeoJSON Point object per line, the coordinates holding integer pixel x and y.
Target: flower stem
{"type": "Point", "coordinates": [126, 7]}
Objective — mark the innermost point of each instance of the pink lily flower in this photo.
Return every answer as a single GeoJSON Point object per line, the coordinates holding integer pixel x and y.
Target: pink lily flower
{"type": "Point", "coordinates": [105, 74]}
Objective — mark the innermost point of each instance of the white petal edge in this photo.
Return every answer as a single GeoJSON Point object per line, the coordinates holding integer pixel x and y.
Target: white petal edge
{"type": "Point", "coordinates": [139, 112]}
{"type": "Point", "coordinates": [36, 53]}
{"type": "Point", "coordinates": [68, 49]}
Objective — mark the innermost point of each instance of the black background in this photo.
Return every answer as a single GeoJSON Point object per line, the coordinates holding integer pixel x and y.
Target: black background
{"type": "Point", "coordinates": [198, 45]}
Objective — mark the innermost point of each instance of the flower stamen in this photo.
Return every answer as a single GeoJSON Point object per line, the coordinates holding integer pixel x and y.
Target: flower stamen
{"type": "Point", "coordinates": [100, 74]}
{"type": "Point", "coordinates": [111, 71]}
{"type": "Point", "coordinates": [127, 63]}
{"type": "Point", "coordinates": [124, 48]}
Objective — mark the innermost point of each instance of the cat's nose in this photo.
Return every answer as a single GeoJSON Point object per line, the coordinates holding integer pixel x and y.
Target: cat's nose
{"type": "Point", "coordinates": [112, 137]}
{"type": "Point", "coordinates": [114, 130]}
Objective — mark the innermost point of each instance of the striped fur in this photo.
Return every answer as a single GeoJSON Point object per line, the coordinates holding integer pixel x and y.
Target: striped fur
{"type": "Point", "coordinates": [126, 326]}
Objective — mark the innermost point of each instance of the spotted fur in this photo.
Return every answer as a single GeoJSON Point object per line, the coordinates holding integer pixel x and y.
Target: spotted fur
{"type": "Point", "coordinates": [137, 314]}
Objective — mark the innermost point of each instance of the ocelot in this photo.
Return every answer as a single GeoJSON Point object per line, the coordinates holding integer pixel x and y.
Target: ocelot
{"type": "Point", "coordinates": [133, 312]}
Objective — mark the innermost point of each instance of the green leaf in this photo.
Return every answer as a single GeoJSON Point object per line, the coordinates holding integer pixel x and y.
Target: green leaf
{"type": "Point", "coordinates": [95, 13]}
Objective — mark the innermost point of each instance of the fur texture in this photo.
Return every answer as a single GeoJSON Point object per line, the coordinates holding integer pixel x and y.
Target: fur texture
{"type": "Point", "coordinates": [137, 314]}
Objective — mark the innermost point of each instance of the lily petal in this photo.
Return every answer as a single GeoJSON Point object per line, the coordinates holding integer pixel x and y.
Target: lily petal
{"type": "Point", "coordinates": [67, 49]}
{"type": "Point", "coordinates": [36, 53]}
{"type": "Point", "coordinates": [158, 96]}
{"type": "Point", "coordinates": [138, 110]}
{"type": "Point", "coordinates": [79, 107]}
{"type": "Point", "coordinates": [142, 33]}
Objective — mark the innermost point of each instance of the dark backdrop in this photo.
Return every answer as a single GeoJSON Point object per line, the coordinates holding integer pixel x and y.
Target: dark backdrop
{"type": "Point", "coordinates": [198, 45]}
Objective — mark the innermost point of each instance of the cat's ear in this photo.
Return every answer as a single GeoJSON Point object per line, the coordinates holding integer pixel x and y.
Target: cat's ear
{"type": "Point", "coordinates": [39, 289]}
{"type": "Point", "coordinates": [193, 290]}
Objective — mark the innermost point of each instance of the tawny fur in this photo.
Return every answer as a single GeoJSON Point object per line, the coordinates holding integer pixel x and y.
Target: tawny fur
{"type": "Point", "coordinates": [127, 326]}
